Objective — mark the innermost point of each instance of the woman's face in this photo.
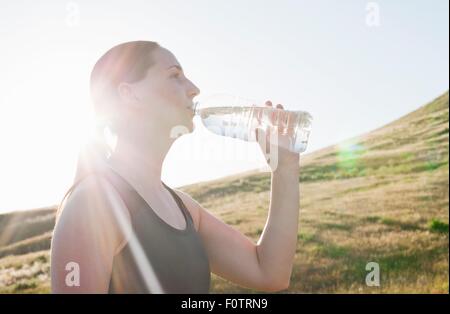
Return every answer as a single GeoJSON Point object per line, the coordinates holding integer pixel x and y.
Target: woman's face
{"type": "Point", "coordinates": [164, 98]}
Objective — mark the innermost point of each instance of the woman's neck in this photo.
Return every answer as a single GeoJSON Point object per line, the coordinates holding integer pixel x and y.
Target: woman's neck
{"type": "Point", "coordinates": [140, 161]}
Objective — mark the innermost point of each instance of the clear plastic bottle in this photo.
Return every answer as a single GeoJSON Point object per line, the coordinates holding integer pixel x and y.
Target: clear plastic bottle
{"type": "Point", "coordinates": [241, 122]}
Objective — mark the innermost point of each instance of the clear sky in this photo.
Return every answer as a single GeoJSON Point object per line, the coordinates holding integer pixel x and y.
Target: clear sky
{"type": "Point", "coordinates": [328, 57]}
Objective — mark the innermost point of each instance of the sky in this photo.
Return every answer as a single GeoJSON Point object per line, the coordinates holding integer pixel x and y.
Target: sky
{"type": "Point", "coordinates": [354, 65]}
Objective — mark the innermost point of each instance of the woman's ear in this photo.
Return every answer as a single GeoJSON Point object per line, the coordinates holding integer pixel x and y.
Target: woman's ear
{"type": "Point", "coordinates": [126, 93]}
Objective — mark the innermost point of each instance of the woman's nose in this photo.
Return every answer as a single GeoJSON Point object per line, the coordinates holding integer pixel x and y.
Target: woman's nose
{"type": "Point", "coordinates": [194, 90]}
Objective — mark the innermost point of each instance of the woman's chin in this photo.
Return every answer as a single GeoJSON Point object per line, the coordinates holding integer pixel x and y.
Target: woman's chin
{"type": "Point", "coordinates": [190, 126]}
{"type": "Point", "coordinates": [183, 128]}
{"type": "Point", "coordinates": [189, 123]}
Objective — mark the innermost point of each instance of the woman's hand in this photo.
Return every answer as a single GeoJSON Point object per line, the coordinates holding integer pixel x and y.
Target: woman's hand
{"type": "Point", "coordinates": [277, 157]}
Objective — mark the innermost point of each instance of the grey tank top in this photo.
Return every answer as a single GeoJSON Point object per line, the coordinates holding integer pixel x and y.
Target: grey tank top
{"type": "Point", "coordinates": [177, 256]}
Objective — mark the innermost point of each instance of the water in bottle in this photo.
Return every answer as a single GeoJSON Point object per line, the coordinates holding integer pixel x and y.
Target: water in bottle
{"type": "Point", "coordinates": [242, 121]}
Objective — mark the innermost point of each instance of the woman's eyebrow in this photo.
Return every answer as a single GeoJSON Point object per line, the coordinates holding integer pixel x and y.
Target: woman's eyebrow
{"type": "Point", "coordinates": [176, 66]}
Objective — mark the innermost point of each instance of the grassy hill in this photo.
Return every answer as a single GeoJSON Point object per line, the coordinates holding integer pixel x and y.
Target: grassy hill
{"type": "Point", "coordinates": [379, 197]}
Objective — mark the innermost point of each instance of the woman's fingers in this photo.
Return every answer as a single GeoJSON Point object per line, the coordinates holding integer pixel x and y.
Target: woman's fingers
{"type": "Point", "coordinates": [267, 131]}
{"type": "Point", "coordinates": [272, 115]}
{"type": "Point", "coordinates": [262, 137]}
{"type": "Point", "coordinates": [277, 118]}
{"type": "Point", "coordinates": [282, 119]}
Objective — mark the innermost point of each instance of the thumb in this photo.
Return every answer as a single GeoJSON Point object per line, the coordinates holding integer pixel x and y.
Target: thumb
{"type": "Point", "coordinates": [262, 139]}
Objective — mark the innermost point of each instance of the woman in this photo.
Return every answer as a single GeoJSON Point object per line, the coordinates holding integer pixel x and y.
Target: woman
{"type": "Point", "coordinates": [120, 229]}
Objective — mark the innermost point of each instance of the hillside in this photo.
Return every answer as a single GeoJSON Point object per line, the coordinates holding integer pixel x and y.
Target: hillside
{"type": "Point", "coordinates": [379, 197]}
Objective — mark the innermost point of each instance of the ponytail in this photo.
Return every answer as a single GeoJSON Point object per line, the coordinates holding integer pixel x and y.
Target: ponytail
{"type": "Point", "coordinates": [91, 158]}
{"type": "Point", "coordinates": [126, 62]}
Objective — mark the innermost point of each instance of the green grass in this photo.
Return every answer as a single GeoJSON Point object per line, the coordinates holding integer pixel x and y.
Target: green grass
{"type": "Point", "coordinates": [435, 225]}
{"type": "Point", "coordinates": [306, 237]}
{"type": "Point", "coordinates": [22, 286]}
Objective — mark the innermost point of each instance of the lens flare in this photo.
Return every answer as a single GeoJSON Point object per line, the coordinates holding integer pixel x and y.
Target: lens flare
{"type": "Point", "coordinates": [348, 156]}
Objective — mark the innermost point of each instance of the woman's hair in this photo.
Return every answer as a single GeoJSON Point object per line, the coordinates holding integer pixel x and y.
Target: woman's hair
{"type": "Point", "coordinates": [126, 62]}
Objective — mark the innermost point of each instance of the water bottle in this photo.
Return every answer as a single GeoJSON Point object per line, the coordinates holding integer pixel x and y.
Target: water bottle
{"type": "Point", "coordinates": [241, 118]}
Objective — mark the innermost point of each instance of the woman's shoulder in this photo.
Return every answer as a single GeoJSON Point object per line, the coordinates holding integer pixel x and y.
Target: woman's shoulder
{"type": "Point", "coordinates": [93, 205]}
{"type": "Point", "coordinates": [88, 234]}
{"type": "Point", "coordinates": [92, 192]}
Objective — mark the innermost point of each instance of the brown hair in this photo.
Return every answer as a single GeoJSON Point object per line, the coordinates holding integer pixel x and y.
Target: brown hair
{"type": "Point", "coordinates": [126, 62]}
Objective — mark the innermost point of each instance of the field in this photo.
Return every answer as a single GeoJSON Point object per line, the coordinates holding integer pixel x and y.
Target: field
{"type": "Point", "coordinates": [380, 197]}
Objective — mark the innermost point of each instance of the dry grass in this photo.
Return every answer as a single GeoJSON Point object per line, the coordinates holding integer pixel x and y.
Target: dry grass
{"type": "Point", "coordinates": [28, 273]}
{"type": "Point", "coordinates": [381, 197]}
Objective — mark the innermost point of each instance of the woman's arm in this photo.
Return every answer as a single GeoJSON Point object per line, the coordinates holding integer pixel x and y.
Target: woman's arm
{"type": "Point", "coordinates": [86, 238]}
{"type": "Point", "coordinates": [277, 245]}
{"type": "Point", "coordinates": [267, 265]}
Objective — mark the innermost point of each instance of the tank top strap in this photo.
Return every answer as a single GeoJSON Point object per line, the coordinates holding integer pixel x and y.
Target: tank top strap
{"type": "Point", "coordinates": [131, 197]}
{"type": "Point", "coordinates": [128, 194]}
{"type": "Point", "coordinates": [124, 189]}
{"type": "Point", "coordinates": [180, 203]}
{"type": "Point", "coordinates": [99, 171]}
{"type": "Point", "coordinates": [120, 185]}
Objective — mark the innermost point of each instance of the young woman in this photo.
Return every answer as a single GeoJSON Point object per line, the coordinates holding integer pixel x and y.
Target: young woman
{"type": "Point", "coordinates": [120, 229]}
